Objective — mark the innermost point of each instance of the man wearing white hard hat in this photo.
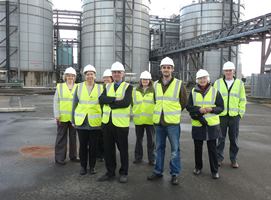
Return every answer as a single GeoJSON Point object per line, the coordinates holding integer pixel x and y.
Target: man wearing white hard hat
{"type": "Point", "coordinates": [87, 118]}
{"type": "Point", "coordinates": [234, 96]}
{"type": "Point", "coordinates": [63, 115]}
{"type": "Point", "coordinates": [204, 105]}
{"type": "Point", "coordinates": [143, 106]}
{"type": "Point", "coordinates": [170, 100]}
{"type": "Point", "coordinates": [116, 100]}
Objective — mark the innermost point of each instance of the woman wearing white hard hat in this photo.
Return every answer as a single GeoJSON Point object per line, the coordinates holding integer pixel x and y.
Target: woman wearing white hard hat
{"type": "Point", "coordinates": [204, 105]}
{"type": "Point", "coordinates": [143, 106]}
{"type": "Point", "coordinates": [107, 76]}
{"type": "Point", "coordinates": [63, 115]}
{"type": "Point", "coordinates": [87, 117]}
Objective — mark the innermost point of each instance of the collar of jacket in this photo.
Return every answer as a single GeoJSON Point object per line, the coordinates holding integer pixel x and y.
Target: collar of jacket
{"type": "Point", "coordinates": [161, 80]}
{"type": "Point", "coordinates": [198, 89]}
{"type": "Point", "coordinates": [225, 79]}
{"type": "Point", "coordinates": [150, 89]}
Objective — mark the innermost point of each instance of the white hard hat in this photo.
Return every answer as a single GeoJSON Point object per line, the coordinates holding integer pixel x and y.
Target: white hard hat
{"type": "Point", "coordinates": [167, 61]}
{"type": "Point", "coordinates": [145, 75]}
{"type": "Point", "coordinates": [89, 68]}
{"type": "Point", "coordinates": [229, 66]}
{"type": "Point", "coordinates": [117, 66]}
{"type": "Point", "coordinates": [70, 70]}
{"type": "Point", "coordinates": [107, 72]}
{"type": "Point", "coordinates": [202, 73]}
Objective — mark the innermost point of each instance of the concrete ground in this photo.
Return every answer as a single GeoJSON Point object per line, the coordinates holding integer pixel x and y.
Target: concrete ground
{"type": "Point", "coordinates": [25, 177]}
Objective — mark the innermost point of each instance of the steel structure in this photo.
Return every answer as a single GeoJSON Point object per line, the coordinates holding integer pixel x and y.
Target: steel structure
{"type": "Point", "coordinates": [256, 29]}
{"type": "Point", "coordinates": [164, 31]}
{"type": "Point", "coordinates": [67, 20]}
{"type": "Point", "coordinates": [10, 29]}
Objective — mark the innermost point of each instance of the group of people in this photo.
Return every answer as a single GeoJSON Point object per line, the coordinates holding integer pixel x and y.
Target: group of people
{"type": "Point", "coordinates": [100, 113]}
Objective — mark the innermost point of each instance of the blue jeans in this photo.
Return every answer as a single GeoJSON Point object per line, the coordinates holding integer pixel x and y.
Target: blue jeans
{"type": "Point", "coordinates": [173, 133]}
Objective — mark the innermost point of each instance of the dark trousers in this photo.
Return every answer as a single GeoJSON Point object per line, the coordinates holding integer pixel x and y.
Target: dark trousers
{"type": "Point", "coordinates": [63, 129]}
{"type": "Point", "coordinates": [87, 150]}
{"type": "Point", "coordinates": [150, 142]}
{"type": "Point", "coordinates": [100, 146]}
{"type": "Point", "coordinates": [115, 135]}
{"type": "Point", "coordinates": [212, 152]}
{"type": "Point", "coordinates": [230, 125]}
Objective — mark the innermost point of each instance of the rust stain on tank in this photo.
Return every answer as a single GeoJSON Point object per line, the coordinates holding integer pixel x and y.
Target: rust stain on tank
{"type": "Point", "coordinates": [37, 151]}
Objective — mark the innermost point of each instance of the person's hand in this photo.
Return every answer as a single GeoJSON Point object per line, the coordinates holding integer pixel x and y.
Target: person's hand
{"type": "Point", "coordinates": [208, 110]}
{"type": "Point", "coordinates": [202, 110]}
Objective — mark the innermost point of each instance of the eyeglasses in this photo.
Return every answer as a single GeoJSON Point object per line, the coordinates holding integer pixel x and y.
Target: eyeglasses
{"type": "Point", "coordinates": [116, 72]}
{"type": "Point", "coordinates": [166, 67]}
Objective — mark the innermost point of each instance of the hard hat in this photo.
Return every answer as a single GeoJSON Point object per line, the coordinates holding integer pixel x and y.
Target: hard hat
{"type": "Point", "coordinates": [70, 70]}
{"type": "Point", "coordinates": [229, 66]}
{"type": "Point", "coordinates": [107, 72]}
{"type": "Point", "coordinates": [167, 61]}
{"type": "Point", "coordinates": [145, 75]}
{"type": "Point", "coordinates": [89, 68]}
{"type": "Point", "coordinates": [117, 66]}
{"type": "Point", "coordinates": [202, 73]}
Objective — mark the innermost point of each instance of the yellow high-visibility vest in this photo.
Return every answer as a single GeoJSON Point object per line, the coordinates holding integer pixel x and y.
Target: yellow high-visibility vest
{"type": "Point", "coordinates": [120, 116]}
{"type": "Point", "coordinates": [168, 102]}
{"type": "Point", "coordinates": [143, 107]}
{"type": "Point", "coordinates": [235, 100]}
{"type": "Point", "coordinates": [65, 97]}
{"type": "Point", "coordinates": [88, 105]}
{"type": "Point", "coordinates": [208, 101]}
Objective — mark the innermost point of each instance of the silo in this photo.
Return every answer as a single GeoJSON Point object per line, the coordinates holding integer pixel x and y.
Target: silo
{"type": "Point", "coordinates": [203, 17]}
{"type": "Point", "coordinates": [102, 34]}
{"type": "Point", "coordinates": [165, 31]}
{"type": "Point", "coordinates": [31, 41]}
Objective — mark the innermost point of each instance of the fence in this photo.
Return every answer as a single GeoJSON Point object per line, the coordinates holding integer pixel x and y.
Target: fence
{"type": "Point", "coordinates": [261, 85]}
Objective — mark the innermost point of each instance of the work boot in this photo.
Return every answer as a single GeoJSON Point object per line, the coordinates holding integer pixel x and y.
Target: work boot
{"type": "Point", "coordinates": [234, 164]}
{"type": "Point", "coordinates": [83, 171]}
{"type": "Point", "coordinates": [137, 161]}
{"type": "Point", "coordinates": [154, 177]}
{"type": "Point", "coordinates": [74, 160]}
{"type": "Point", "coordinates": [92, 171]}
{"type": "Point", "coordinates": [152, 163]}
{"type": "Point", "coordinates": [174, 180]}
{"type": "Point", "coordinates": [106, 177]}
{"type": "Point", "coordinates": [215, 175]}
{"type": "Point", "coordinates": [123, 179]}
{"type": "Point", "coordinates": [60, 162]}
{"type": "Point", "coordinates": [196, 171]}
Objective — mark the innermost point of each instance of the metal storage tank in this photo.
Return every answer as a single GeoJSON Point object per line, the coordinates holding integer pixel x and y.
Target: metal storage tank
{"type": "Point", "coordinates": [203, 17]}
{"type": "Point", "coordinates": [102, 37]}
{"type": "Point", "coordinates": [165, 31]}
{"type": "Point", "coordinates": [31, 41]}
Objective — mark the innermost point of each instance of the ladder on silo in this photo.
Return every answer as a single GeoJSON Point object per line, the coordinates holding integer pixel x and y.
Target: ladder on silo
{"type": "Point", "coordinates": [124, 32]}
{"type": "Point", "coordinates": [9, 8]}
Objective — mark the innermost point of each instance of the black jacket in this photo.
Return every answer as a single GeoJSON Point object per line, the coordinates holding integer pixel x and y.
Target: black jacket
{"type": "Point", "coordinates": [204, 132]}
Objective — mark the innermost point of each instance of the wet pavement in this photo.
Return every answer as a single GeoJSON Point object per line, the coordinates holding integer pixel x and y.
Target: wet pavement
{"type": "Point", "coordinates": [26, 177]}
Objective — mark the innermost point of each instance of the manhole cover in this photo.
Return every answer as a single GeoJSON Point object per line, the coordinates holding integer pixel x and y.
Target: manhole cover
{"type": "Point", "coordinates": [37, 151]}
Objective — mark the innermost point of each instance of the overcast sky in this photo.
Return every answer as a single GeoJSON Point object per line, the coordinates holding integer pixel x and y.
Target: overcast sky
{"type": "Point", "coordinates": [251, 53]}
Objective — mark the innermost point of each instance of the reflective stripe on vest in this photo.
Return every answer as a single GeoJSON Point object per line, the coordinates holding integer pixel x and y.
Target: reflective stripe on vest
{"type": "Point", "coordinates": [65, 97]}
{"type": "Point", "coordinates": [168, 102]}
{"type": "Point", "coordinates": [120, 116]}
{"type": "Point", "coordinates": [235, 100]}
{"type": "Point", "coordinates": [206, 102]}
{"type": "Point", "coordinates": [88, 105]}
{"type": "Point", "coordinates": [143, 107]}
